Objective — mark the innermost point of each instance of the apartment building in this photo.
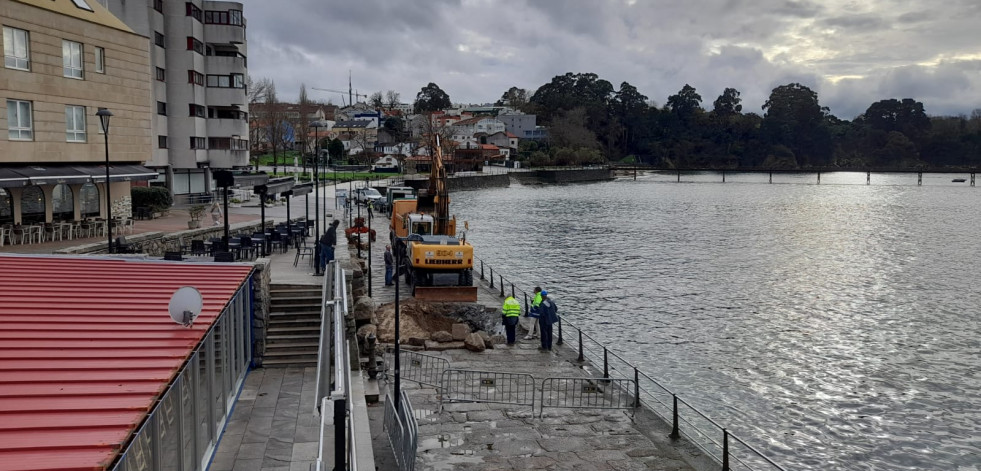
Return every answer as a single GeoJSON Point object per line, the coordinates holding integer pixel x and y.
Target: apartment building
{"type": "Point", "coordinates": [63, 61]}
{"type": "Point", "coordinates": [198, 65]}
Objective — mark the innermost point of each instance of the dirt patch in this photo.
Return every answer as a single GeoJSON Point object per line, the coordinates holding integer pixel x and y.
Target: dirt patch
{"type": "Point", "coordinates": [420, 319]}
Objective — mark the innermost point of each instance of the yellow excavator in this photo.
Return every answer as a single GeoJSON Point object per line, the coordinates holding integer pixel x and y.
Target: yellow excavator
{"type": "Point", "coordinates": [438, 265]}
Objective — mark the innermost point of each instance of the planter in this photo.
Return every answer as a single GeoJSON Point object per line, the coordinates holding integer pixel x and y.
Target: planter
{"type": "Point", "coordinates": [194, 224]}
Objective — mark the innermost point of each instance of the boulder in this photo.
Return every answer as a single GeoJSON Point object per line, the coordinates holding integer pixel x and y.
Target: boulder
{"type": "Point", "coordinates": [460, 331]}
{"type": "Point", "coordinates": [416, 342]}
{"type": "Point", "coordinates": [366, 330]}
{"type": "Point", "coordinates": [499, 339]}
{"type": "Point", "coordinates": [363, 308]}
{"type": "Point", "coordinates": [441, 336]}
{"type": "Point", "coordinates": [488, 342]}
{"type": "Point", "coordinates": [474, 343]}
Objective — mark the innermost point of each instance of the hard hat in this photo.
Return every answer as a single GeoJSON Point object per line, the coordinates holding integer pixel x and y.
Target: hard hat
{"type": "Point", "coordinates": [544, 293]}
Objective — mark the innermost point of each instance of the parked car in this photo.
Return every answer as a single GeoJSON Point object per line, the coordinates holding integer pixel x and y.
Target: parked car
{"type": "Point", "coordinates": [367, 194]}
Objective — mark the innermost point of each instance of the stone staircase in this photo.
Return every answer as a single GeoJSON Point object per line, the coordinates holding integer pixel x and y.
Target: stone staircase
{"type": "Point", "coordinates": [294, 326]}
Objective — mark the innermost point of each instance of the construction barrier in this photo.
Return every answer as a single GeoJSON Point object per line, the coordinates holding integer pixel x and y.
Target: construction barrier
{"type": "Point", "coordinates": [588, 393]}
{"type": "Point", "coordinates": [487, 386]}
{"type": "Point", "coordinates": [422, 368]}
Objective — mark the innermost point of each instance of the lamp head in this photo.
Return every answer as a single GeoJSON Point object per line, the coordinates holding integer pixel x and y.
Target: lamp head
{"type": "Point", "coordinates": [104, 114]}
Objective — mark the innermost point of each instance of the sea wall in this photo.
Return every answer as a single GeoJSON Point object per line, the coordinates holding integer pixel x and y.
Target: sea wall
{"type": "Point", "coordinates": [565, 175]}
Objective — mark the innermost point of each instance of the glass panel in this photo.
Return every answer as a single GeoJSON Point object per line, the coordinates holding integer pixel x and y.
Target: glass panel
{"type": "Point", "coordinates": [88, 196]}
{"type": "Point", "coordinates": [140, 455]}
{"type": "Point", "coordinates": [32, 204]}
{"type": "Point", "coordinates": [168, 431]}
{"type": "Point", "coordinates": [187, 416]}
{"type": "Point", "coordinates": [218, 388]}
{"type": "Point", "coordinates": [202, 393]}
{"type": "Point", "coordinates": [6, 207]}
{"type": "Point", "coordinates": [63, 202]}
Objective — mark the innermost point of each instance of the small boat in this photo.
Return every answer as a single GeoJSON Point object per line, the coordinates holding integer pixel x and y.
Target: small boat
{"type": "Point", "coordinates": [959, 180]}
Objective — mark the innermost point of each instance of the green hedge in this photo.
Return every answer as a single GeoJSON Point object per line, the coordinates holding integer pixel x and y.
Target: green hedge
{"type": "Point", "coordinates": [153, 197]}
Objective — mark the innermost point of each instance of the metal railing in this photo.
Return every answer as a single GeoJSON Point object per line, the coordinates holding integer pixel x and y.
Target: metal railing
{"type": "Point", "coordinates": [421, 368]}
{"type": "Point", "coordinates": [334, 372]}
{"type": "Point", "coordinates": [588, 393]}
{"type": "Point", "coordinates": [685, 419]}
{"type": "Point", "coordinates": [403, 431]}
{"type": "Point", "coordinates": [486, 386]}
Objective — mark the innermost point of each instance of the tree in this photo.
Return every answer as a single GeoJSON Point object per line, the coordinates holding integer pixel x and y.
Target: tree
{"type": "Point", "coordinates": [336, 150]}
{"type": "Point", "coordinates": [392, 99]}
{"type": "Point", "coordinates": [515, 97]}
{"type": "Point", "coordinates": [275, 123]}
{"type": "Point", "coordinates": [431, 98]}
{"type": "Point", "coordinates": [376, 100]}
{"type": "Point", "coordinates": [727, 104]}
{"type": "Point", "coordinates": [906, 116]}
{"type": "Point", "coordinates": [570, 91]}
{"type": "Point", "coordinates": [794, 119]}
{"type": "Point", "coordinates": [256, 91]}
{"type": "Point", "coordinates": [686, 103]}
{"type": "Point", "coordinates": [301, 123]}
{"type": "Point", "coordinates": [569, 130]}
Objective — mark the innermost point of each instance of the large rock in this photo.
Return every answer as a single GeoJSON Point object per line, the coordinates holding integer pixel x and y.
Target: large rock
{"type": "Point", "coordinates": [416, 341]}
{"type": "Point", "coordinates": [366, 330]}
{"type": "Point", "coordinates": [474, 343]}
{"type": "Point", "coordinates": [441, 336]}
{"type": "Point", "coordinates": [499, 339]}
{"type": "Point", "coordinates": [488, 342]}
{"type": "Point", "coordinates": [460, 331]}
{"type": "Point", "coordinates": [363, 308]}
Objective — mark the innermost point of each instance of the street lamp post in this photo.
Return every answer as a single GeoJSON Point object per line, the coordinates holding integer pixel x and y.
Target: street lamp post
{"type": "Point", "coordinates": [104, 115]}
{"type": "Point", "coordinates": [316, 197]}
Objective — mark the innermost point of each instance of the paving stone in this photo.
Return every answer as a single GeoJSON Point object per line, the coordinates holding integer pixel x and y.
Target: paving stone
{"type": "Point", "coordinates": [223, 462]}
{"type": "Point", "coordinates": [601, 455]}
{"type": "Point", "coordinates": [305, 451]}
{"type": "Point", "coordinates": [562, 444]}
{"type": "Point", "coordinates": [252, 451]}
{"type": "Point", "coordinates": [306, 434]}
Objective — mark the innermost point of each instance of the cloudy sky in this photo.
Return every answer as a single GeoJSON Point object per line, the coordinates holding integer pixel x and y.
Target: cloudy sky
{"type": "Point", "coordinates": [851, 52]}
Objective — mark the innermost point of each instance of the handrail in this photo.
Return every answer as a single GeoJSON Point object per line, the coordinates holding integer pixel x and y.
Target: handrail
{"type": "Point", "coordinates": [334, 377]}
{"type": "Point", "coordinates": [669, 412]}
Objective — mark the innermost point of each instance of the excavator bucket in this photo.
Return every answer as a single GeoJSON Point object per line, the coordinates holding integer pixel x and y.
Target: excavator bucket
{"type": "Point", "coordinates": [449, 294]}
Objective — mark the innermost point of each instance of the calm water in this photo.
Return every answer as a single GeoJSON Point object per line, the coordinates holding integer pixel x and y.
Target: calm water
{"type": "Point", "coordinates": [835, 326]}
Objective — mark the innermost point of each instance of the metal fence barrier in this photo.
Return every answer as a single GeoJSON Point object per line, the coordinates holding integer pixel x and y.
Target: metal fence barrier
{"type": "Point", "coordinates": [421, 368]}
{"type": "Point", "coordinates": [588, 393]}
{"type": "Point", "coordinates": [486, 386]}
{"type": "Point", "coordinates": [403, 431]}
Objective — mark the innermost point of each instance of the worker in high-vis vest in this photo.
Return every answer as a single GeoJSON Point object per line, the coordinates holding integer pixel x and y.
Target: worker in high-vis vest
{"type": "Point", "coordinates": [531, 318]}
{"type": "Point", "coordinates": [510, 314]}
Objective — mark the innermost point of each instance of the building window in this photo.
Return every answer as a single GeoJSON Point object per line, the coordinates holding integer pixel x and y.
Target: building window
{"type": "Point", "coordinates": [162, 142]}
{"type": "Point", "coordinates": [194, 12]}
{"type": "Point", "coordinates": [158, 5]}
{"type": "Point", "coordinates": [82, 4]}
{"type": "Point", "coordinates": [221, 113]}
{"type": "Point", "coordinates": [195, 77]}
{"type": "Point", "coordinates": [162, 108]}
{"type": "Point", "coordinates": [224, 143]}
{"type": "Point", "coordinates": [196, 110]}
{"type": "Point", "coordinates": [16, 50]}
{"type": "Point", "coordinates": [100, 60]}
{"type": "Point", "coordinates": [19, 126]}
{"type": "Point", "coordinates": [198, 143]}
{"type": "Point", "coordinates": [226, 81]}
{"type": "Point", "coordinates": [161, 74]}
{"type": "Point", "coordinates": [158, 39]}
{"type": "Point", "coordinates": [195, 45]}
{"type": "Point", "coordinates": [230, 17]}
{"type": "Point", "coordinates": [71, 53]}
{"type": "Point", "coordinates": [75, 123]}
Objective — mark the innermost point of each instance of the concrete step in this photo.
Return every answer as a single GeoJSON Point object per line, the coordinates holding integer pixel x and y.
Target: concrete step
{"type": "Point", "coordinates": [287, 315]}
{"type": "Point", "coordinates": [312, 324]}
{"type": "Point", "coordinates": [292, 337]}
{"type": "Point", "coordinates": [292, 300]}
{"type": "Point", "coordinates": [285, 363]}
{"type": "Point", "coordinates": [291, 329]}
{"type": "Point", "coordinates": [295, 346]}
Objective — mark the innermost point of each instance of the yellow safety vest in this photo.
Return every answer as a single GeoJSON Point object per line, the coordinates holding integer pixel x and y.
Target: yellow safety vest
{"type": "Point", "coordinates": [511, 307]}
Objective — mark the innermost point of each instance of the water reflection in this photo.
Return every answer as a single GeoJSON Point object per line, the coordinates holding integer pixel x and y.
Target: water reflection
{"type": "Point", "coordinates": [834, 324]}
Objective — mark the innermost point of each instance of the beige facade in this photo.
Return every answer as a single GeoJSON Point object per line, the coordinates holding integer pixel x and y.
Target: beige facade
{"type": "Point", "coordinates": [59, 150]}
{"type": "Point", "coordinates": [124, 87]}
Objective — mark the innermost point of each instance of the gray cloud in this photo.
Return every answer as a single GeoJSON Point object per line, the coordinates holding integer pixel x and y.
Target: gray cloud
{"type": "Point", "coordinates": [851, 52]}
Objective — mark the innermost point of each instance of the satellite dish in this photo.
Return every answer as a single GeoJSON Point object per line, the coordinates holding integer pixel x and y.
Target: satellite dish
{"type": "Point", "coordinates": [185, 305]}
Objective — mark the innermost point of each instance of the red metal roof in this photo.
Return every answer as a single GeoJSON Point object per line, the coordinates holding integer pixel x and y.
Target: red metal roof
{"type": "Point", "coordinates": [87, 346]}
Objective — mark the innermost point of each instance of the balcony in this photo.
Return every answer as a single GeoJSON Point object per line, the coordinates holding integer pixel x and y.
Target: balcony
{"type": "Point", "coordinates": [224, 34]}
{"type": "Point", "coordinates": [222, 158]}
{"type": "Point", "coordinates": [227, 127]}
{"type": "Point", "coordinates": [226, 97]}
{"type": "Point", "coordinates": [224, 65]}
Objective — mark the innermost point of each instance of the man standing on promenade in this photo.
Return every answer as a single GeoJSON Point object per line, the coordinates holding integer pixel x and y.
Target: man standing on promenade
{"type": "Point", "coordinates": [532, 324]}
{"type": "Point", "coordinates": [389, 265]}
{"type": "Point", "coordinates": [548, 314]}
{"type": "Point", "coordinates": [327, 243]}
{"type": "Point", "coordinates": [510, 313]}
